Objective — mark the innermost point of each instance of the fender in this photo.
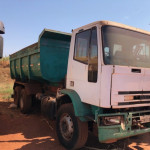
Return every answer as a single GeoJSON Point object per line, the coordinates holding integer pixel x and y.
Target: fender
{"type": "Point", "coordinates": [81, 109]}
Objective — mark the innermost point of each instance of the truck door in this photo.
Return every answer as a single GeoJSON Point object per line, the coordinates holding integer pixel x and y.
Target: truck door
{"type": "Point", "coordinates": [85, 66]}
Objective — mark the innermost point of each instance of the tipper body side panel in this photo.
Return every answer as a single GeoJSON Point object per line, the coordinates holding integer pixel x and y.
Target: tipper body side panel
{"type": "Point", "coordinates": [45, 61]}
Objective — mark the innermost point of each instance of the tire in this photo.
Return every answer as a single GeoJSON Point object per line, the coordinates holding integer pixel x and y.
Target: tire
{"type": "Point", "coordinates": [17, 93]}
{"type": "Point", "coordinates": [71, 132]}
{"type": "Point", "coordinates": [25, 102]}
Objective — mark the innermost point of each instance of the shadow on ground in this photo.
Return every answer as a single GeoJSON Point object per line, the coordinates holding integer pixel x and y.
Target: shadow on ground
{"type": "Point", "coordinates": [26, 132]}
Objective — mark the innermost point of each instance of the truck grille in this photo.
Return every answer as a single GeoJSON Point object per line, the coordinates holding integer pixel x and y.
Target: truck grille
{"type": "Point", "coordinates": [140, 120]}
{"type": "Point", "coordinates": [133, 92]}
{"type": "Point", "coordinates": [141, 97]}
{"type": "Point", "coordinates": [132, 103]}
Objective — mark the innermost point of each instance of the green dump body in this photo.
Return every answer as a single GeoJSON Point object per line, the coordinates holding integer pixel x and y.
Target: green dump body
{"type": "Point", "coordinates": [45, 61]}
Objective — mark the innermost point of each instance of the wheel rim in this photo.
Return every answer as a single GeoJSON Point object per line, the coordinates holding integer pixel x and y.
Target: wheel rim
{"type": "Point", "coordinates": [66, 127]}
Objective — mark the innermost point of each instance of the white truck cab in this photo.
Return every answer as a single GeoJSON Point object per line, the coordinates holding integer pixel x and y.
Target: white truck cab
{"type": "Point", "coordinates": [109, 65]}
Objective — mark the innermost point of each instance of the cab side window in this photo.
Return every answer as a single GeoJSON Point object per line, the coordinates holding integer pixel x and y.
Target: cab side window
{"type": "Point", "coordinates": [82, 46]}
{"type": "Point", "coordinates": [86, 51]}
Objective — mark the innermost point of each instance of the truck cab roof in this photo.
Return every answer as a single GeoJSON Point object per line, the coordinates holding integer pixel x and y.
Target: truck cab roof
{"type": "Point", "coordinates": [111, 23]}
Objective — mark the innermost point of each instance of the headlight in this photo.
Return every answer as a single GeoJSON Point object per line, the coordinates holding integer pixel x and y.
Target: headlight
{"type": "Point", "coordinates": [111, 120]}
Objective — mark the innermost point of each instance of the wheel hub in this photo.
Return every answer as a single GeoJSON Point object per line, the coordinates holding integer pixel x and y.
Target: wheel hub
{"type": "Point", "coordinates": [66, 127]}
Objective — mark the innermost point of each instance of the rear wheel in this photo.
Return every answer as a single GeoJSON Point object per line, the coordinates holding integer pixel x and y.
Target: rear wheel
{"type": "Point", "coordinates": [71, 132]}
{"type": "Point", "coordinates": [17, 93]}
{"type": "Point", "coordinates": [25, 102]}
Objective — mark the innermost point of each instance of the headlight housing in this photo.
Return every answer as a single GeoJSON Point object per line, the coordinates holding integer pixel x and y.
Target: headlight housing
{"type": "Point", "coordinates": [111, 120]}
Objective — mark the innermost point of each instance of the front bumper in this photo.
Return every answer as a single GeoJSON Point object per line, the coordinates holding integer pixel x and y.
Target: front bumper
{"type": "Point", "coordinates": [111, 133]}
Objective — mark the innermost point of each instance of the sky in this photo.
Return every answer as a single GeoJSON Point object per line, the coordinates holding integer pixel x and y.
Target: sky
{"type": "Point", "coordinates": [24, 20]}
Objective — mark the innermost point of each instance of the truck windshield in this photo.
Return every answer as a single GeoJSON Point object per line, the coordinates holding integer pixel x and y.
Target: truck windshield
{"type": "Point", "coordinates": [125, 47]}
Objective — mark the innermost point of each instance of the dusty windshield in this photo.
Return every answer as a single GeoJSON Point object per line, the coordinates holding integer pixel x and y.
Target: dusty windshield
{"type": "Point", "coordinates": [125, 47]}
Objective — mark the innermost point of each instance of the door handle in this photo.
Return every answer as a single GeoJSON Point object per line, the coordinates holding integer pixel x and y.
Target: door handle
{"type": "Point", "coordinates": [136, 70]}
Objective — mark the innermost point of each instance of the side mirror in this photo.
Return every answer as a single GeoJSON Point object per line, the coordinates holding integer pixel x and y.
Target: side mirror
{"type": "Point", "coordinates": [2, 31]}
{"type": "Point", "coordinates": [2, 28]}
{"type": "Point", "coordinates": [1, 46]}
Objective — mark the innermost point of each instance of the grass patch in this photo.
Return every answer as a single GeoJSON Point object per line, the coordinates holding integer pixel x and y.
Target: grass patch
{"type": "Point", "coordinates": [6, 97]}
{"type": "Point", "coordinates": [6, 92]}
{"type": "Point", "coordinates": [4, 62]}
{"type": "Point", "coordinates": [4, 59]}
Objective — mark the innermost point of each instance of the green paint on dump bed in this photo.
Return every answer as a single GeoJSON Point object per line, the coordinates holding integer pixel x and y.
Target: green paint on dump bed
{"type": "Point", "coordinates": [44, 61]}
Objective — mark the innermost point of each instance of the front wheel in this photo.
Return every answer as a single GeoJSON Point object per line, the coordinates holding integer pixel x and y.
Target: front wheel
{"type": "Point", "coordinates": [72, 133]}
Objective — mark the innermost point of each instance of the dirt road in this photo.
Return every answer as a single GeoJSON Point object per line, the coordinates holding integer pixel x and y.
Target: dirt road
{"type": "Point", "coordinates": [34, 132]}
{"type": "Point", "coordinates": [25, 132]}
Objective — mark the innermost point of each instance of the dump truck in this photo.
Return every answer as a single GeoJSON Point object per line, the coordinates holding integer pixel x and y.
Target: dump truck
{"type": "Point", "coordinates": [96, 79]}
{"type": "Point", "coordinates": [2, 31]}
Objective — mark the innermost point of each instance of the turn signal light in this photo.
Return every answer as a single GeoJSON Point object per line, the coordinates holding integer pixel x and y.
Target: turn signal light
{"type": "Point", "coordinates": [128, 98]}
